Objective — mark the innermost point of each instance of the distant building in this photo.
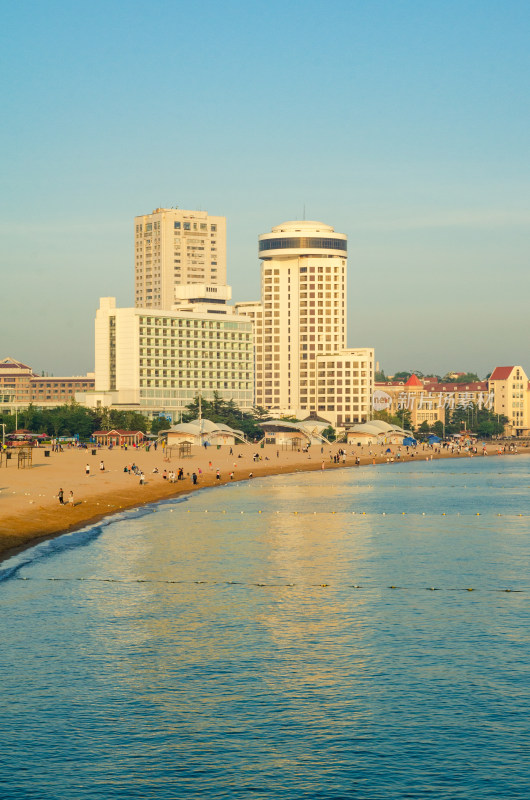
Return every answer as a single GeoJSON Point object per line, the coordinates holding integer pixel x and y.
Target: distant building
{"type": "Point", "coordinates": [511, 395]}
{"type": "Point", "coordinates": [20, 386]}
{"type": "Point", "coordinates": [428, 400]}
{"type": "Point", "coordinates": [173, 247]}
{"type": "Point", "coordinates": [158, 361]}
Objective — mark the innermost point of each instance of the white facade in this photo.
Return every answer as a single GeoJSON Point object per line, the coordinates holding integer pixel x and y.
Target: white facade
{"type": "Point", "coordinates": [345, 384]}
{"type": "Point", "coordinates": [301, 318]}
{"type": "Point", "coordinates": [174, 247]}
{"type": "Point", "coordinates": [158, 361]}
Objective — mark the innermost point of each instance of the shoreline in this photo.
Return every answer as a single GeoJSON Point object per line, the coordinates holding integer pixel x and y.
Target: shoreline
{"type": "Point", "coordinates": [24, 528]}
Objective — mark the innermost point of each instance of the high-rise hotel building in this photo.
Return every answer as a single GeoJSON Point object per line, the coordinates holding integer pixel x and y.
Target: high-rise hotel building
{"type": "Point", "coordinates": [302, 364]}
{"type": "Point", "coordinates": [173, 247]}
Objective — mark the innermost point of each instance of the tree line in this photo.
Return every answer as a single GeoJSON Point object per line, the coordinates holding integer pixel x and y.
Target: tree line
{"type": "Point", "coordinates": [73, 419]}
{"type": "Point", "coordinates": [482, 421]}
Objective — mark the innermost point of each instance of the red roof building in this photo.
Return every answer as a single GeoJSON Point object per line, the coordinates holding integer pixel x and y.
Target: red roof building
{"type": "Point", "coordinates": [501, 373]}
{"type": "Point", "coordinates": [511, 397]}
{"type": "Point", "coordinates": [117, 437]}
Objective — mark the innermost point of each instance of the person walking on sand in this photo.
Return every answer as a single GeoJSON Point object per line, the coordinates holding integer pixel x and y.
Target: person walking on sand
{"type": "Point", "coordinates": [142, 479]}
{"type": "Point", "coordinates": [60, 496]}
{"type": "Point", "coordinates": [87, 469]}
{"type": "Point", "coordinates": [71, 499]}
{"type": "Point", "coordinates": [102, 466]}
{"type": "Point", "coordinates": [194, 478]}
{"type": "Point", "coordinates": [217, 475]}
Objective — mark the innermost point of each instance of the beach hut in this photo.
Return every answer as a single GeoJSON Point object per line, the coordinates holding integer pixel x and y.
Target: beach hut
{"type": "Point", "coordinates": [200, 432]}
{"type": "Point", "coordinates": [117, 438]}
{"type": "Point", "coordinates": [293, 435]}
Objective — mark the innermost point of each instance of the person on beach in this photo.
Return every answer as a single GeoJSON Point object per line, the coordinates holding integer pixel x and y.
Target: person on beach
{"type": "Point", "coordinates": [87, 469]}
{"type": "Point", "coordinates": [142, 479]}
{"type": "Point", "coordinates": [194, 478]}
{"type": "Point", "coordinates": [71, 499]}
{"type": "Point", "coordinates": [217, 475]}
{"type": "Point", "coordinates": [60, 495]}
{"type": "Point", "coordinates": [101, 466]}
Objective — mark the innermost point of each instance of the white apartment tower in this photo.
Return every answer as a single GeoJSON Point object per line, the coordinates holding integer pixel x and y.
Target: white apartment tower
{"type": "Point", "coordinates": [175, 247]}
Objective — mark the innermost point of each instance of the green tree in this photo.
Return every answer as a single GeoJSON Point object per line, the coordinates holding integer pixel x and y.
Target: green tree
{"type": "Point", "coordinates": [481, 421]}
{"type": "Point", "coordinates": [159, 424]}
{"type": "Point", "coordinates": [329, 433]}
{"type": "Point", "coordinates": [228, 413]}
{"type": "Point", "coordinates": [424, 428]}
{"type": "Point", "coordinates": [404, 376]}
{"type": "Point", "coordinates": [260, 413]}
{"type": "Point", "coordinates": [469, 377]}
{"type": "Point", "coordinates": [438, 428]}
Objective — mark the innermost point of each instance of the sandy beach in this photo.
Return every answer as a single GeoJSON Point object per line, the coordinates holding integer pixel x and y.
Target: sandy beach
{"type": "Point", "coordinates": [30, 510]}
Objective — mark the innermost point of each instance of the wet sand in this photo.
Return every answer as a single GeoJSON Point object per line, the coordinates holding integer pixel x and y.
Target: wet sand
{"type": "Point", "coordinates": [30, 510]}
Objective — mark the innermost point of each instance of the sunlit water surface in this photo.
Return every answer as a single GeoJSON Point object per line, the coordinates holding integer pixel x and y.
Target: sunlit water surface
{"type": "Point", "coordinates": [202, 649]}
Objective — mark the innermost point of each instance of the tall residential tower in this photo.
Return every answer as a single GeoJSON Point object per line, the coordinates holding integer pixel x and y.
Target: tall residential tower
{"type": "Point", "coordinates": [174, 247]}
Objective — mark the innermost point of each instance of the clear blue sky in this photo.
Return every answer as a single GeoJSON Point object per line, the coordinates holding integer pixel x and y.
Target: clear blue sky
{"type": "Point", "coordinates": [404, 124]}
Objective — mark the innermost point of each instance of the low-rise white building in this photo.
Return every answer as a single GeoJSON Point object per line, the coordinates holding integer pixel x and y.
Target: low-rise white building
{"type": "Point", "coordinates": [157, 361]}
{"type": "Point", "coordinates": [345, 384]}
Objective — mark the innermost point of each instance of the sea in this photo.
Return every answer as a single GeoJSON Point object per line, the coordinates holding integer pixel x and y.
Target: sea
{"type": "Point", "coordinates": [349, 633]}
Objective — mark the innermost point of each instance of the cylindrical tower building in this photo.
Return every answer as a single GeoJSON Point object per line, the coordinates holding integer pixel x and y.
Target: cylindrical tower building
{"type": "Point", "coordinates": [303, 290]}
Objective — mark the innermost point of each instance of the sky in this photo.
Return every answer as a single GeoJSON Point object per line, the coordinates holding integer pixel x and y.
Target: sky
{"type": "Point", "coordinates": [404, 124]}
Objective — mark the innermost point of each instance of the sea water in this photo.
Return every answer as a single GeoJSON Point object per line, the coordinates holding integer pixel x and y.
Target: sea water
{"type": "Point", "coordinates": [357, 633]}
